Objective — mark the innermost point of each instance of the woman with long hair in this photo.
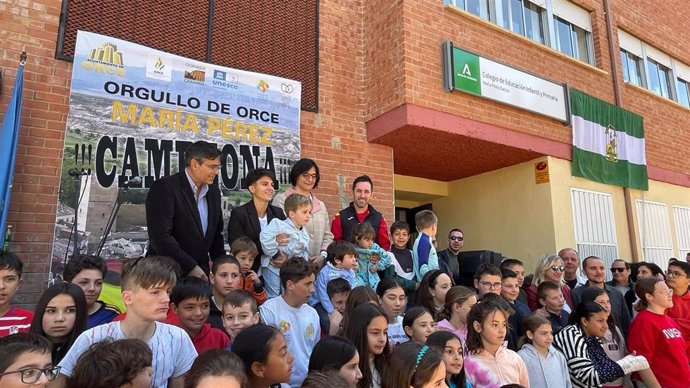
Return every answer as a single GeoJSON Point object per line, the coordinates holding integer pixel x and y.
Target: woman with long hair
{"type": "Point", "coordinates": [551, 268]}
{"type": "Point", "coordinates": [61, 316]}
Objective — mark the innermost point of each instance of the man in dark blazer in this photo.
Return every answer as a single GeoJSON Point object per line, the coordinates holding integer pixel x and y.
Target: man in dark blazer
{"type": "Point", "coordinates": [183, 212]}
{"type": "Point", "coordinates": [247, 219]}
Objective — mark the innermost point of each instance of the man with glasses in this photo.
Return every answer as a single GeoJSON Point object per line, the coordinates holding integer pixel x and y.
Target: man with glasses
{"type": "Point", "coordinates": [677, 280]}
{"type": "Point", "coordinates": [594, 269]}
{"type": "Point", "coordinates": [183, 212]}
{"type": "Point", "coordinates": [26, 361]}
{"type": "Point", "coordinates": [448, 258]}
{"type": "Point", "coordinates": [620, 271]}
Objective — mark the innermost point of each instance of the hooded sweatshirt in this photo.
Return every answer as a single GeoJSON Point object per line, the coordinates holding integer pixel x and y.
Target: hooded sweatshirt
{"type": "Point", "coordinates": [485, 370]}
{"type": "Point", "coordinates": [545, 372]}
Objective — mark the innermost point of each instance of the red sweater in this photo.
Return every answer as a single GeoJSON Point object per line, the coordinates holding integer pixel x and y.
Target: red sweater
{"type": "Point", "coordinates": [210, 338]}
{"type": "Point", "coordinates": [680, 313]}
{"type": "Point", "coordinates": [659, 340]}
{"type": "Point", "coordinates": [15, 320]}
{"type": "Point", "coordinates": [248, 285]}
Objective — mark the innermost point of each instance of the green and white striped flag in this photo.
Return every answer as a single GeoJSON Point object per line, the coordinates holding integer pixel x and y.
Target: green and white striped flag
{"type": "Point", "coordinates": [608, 143]}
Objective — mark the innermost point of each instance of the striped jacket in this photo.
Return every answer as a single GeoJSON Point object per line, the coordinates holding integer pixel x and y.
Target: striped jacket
{"type": "Point", "coordinates": [588, 365]}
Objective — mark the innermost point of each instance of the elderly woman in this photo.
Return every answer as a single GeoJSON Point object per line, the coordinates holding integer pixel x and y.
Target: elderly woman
{"type": "Point", "coordinates": [304, 178]}
{"type": "Point", "coordinates": [549, 268]}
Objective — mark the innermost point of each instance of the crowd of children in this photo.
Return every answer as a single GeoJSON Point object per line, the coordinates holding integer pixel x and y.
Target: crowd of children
{"type": "Point", "coordinates": [364, 318]}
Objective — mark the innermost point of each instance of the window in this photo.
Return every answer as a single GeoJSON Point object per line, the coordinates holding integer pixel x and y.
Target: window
{"type": "Point", "coordinates": [535, 17]}
{"type": "Point", "coordinates": [655, 232]}
{"type": "Point", "coordinates": [595, 228]}
{"type": "Point", "coordinates": [573, 40]}
{"type": "Point", "coordinates": [477, 7]}
{"type": "Point", "coordinates": [511, 15]}
{"type": "Point", "coordinates": [632, 68]}
{"type": "Point", "coordinates": [659, 78]}
{"type": "Point", "coordinates": [683, 92]}
{"type": "Point", "coordinates": [681, 216]}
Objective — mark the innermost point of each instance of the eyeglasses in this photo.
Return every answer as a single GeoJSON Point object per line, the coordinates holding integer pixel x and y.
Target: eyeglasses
{"type": "Point", "coordinates": [308, 176]}
{"type": "Point", "coordinates": [456, 238]}
{"type": "Point", "coordinates": [558, 268]}
{"type": "Point", "coordinates": [213, 167]}
{"type": "Point", "coordinates": [32, 375]}
{"type": "Point", "coordinates": [675, 274]}
{"type": "Point", "coordinates": [491, 286]}
{"type": "Point", "coordinates": [614, 270]}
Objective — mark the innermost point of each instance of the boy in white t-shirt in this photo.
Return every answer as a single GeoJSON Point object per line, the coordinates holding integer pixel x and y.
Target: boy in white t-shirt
{"type": "Point", "coordinates": [146, 285]}
{"type": "Point", "coordinates": [291, 314]}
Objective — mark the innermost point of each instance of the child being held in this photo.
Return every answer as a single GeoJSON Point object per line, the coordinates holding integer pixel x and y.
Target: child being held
{"type": "Point", "coordinates": [424, 254]}
{"type": "Point", "coordinates": [341, 262]}
{"type": "Point", "coordinates": [245, 251]}
{"type": "Point", "coordinates": [298, 209]}
{"type": "Point", "coordinates": [546, 366]}
{"type": "Point", "coordinates": [190, 301]}
{"type": "Point", "coordinates": [372, 258]}
{"type": "Point", "coordinates": [239, 312]}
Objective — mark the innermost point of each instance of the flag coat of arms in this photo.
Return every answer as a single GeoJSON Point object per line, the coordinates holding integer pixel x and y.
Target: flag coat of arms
{"type": "Point", "coordinates": [608, 143]}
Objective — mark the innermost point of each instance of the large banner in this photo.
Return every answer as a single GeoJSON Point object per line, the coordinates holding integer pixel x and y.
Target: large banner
{"type": "Point", "coordinates": [134, 110]}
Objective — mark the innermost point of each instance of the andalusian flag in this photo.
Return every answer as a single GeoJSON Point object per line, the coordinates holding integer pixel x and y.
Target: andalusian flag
{"type": "Point", "coordinates": [608, 143]}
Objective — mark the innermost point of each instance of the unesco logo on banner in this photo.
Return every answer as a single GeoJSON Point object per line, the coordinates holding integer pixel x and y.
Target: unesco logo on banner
{"type": "Point", "coordinates": [157, 68]}
{"type": "Point", "coordinates": [225, 80]}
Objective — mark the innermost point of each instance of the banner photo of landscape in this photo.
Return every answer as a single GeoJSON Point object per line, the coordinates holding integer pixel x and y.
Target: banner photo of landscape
{"type": "Point", "coordinates": [134, 110]}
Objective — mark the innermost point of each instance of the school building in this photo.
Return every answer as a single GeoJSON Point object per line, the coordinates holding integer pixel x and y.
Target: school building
{"type": "Point", "coordinates": [376, 100]}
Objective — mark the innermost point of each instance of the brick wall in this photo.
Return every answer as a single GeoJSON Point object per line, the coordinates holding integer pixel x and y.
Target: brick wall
{"type": "Point", "coordinates": [335, 136]}
{"type": "Point", "coordinates": [427, 23]}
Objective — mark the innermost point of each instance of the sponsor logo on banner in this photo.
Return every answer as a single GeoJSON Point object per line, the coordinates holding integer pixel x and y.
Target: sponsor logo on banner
{"type": "Point", "coordinates": [225, 80]}
{"type": "Point", "coordinates": [158, 69]}
{"type": "Point", "coordinates": [194, 73]}
{"type": "Point", "coordinates": [105, 59]}
{"type": "Point", "coordinates": [263, 86]}
{"type": "Point", "coordinates": [287, 88]}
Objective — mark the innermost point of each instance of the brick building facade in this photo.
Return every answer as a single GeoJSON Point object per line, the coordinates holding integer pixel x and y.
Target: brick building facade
{"type": "Point", "coordinates": [382, 109]}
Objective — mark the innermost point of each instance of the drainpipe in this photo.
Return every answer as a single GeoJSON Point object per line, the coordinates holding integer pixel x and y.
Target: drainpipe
{"type": "Point", "coordinates": [632, 233]}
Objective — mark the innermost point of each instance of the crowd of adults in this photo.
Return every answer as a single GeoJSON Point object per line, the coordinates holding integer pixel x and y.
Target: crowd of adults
{"type": "Point", "coordinates": [306, 299]}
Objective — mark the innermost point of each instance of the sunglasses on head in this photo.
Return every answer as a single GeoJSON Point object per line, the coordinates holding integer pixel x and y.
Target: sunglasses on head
{"type": "Point", "coordinates": [558, 268]}
{"type": "Point", "coordinates": [614, 270]}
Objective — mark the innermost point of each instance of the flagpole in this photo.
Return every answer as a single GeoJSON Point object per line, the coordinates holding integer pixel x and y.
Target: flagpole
{"type": "Point", "coordinates": [9, 137]}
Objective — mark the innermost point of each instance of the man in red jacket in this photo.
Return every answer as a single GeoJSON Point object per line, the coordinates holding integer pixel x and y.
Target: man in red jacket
{"type": "Point", "coordinates": [360, 211]}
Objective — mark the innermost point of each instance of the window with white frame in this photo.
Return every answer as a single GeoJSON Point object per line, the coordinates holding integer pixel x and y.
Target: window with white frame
{"type": "Point", "coordinates": [683, 92]}
{"type": "Point", "coordinates": [573, 31]}
{"type": "Point", "coordinates": [650, 68]}
{"type": "Point", "coordinates": [632, 68]}
{"type": "Point", "coordinates": [572, 27]}
{"type": "Point", "coordinates": [659, 78]}
{"type": "Point", "coordinates": [681, 216]}
{"type": "Point", "coordinates": [477, 7]}
{"type": "Point", "coordinates": [655, 232]}
{"type": "Point", "coordinates": [595, 227]}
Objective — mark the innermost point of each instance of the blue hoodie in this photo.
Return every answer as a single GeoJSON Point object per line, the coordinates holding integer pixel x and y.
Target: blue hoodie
{"type": "Point", "coordinates": [545, 372]}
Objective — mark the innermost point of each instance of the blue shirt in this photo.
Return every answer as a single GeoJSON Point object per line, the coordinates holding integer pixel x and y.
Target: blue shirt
{"type": "Point", "coordinates": [201, 204]}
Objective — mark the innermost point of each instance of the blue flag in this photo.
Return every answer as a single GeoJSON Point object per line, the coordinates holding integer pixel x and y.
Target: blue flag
{"type": "Point", "coordinates": [9, 137]}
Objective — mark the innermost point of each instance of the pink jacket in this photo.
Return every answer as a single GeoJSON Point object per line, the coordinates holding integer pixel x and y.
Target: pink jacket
{"type": "Point", "coordinates": [488, 371]}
